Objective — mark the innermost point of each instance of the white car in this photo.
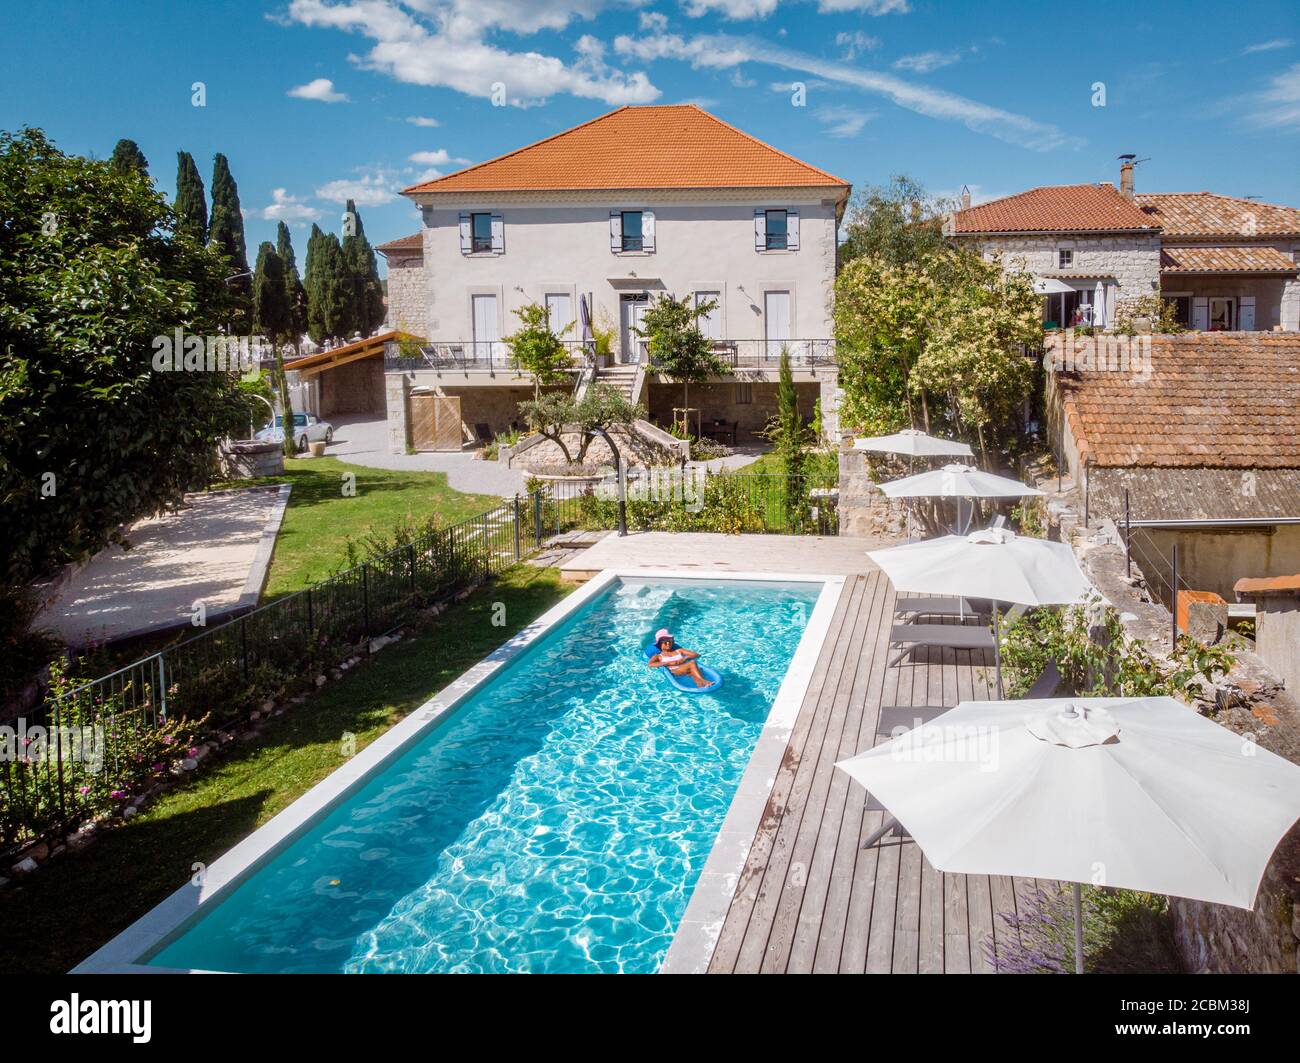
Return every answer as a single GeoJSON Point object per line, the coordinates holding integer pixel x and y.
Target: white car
{"type": "Point", "coordinates": [307, 428]}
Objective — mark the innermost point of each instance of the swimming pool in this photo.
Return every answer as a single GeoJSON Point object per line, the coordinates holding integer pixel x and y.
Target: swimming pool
{"type": "Point", "coordinates": [556, 820]}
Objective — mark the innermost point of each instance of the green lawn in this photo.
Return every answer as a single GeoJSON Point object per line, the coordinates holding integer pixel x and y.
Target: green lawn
{"type": "Point", "coordinates": [79, 901]}
{"type": "Point", "coordinates": [320, 517]}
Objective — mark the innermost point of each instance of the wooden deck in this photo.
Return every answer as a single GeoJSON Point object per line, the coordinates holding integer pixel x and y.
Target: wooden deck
{"type": "Point", "coordinates": [810, 899]}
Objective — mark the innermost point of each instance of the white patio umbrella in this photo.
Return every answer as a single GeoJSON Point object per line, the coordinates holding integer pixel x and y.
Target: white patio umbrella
{"type": "Point", "coordinates": [913, 443]}
{"type": "Point", "coordinates": [992, 563]}
{"type": "Point", "coordinates": [957, 481]}
{"type": "Point", "coordinates": [1051, 286]}
{"type": "Point", "coordinates": [1137, 793]}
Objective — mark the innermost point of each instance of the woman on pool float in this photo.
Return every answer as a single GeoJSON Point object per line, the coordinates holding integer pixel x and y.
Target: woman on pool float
{"type": "Point", "coordinates": [676, 659]}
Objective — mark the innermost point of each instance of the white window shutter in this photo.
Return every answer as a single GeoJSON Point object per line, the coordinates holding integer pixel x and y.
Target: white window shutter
{"type": "Point", "coordinates": [616, 231]}
{"type": "Point", "coordinates": [498, 234]}
{"type": "Point", "coordinates": [760, 229]}
{"type": "Point", "coordinates": [1201, 314]}
{"type": "Point", "coordinates": [466, 245]}
{"type": "Point", "coordinates": [1246, 314]}
{"type": "Point", "coordinates": [792, 230]}
{"type": "Point", "coordinates": [647, 230]}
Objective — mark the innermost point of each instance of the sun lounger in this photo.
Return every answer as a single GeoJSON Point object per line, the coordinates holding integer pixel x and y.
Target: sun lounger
{"type": "Point", "coordinates": [958, 607]}
{"type": "Point", "coordinates": [941, 636]}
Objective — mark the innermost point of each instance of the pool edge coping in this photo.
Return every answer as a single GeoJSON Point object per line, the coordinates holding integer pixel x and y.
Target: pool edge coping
{"type": "Point", "coordinates": [122, 953]}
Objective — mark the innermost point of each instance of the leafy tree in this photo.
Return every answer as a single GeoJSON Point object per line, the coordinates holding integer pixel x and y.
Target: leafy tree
{"type": "Point", "coordinates": [537, 349]}
{"type": "Point", "coordinates": [366, 309]}
{"type": "Point", "coordinates": [899, 223]}
{"type": "Point", "coordinates": [295, 293]}
{"type": "Point", "coordinates": [93, 435]}
{"type": "Point", "coordinates": [273, 317]}
{"type": "Point", "coordinates": [128, 158]}
{"type": "Point", "coordinates": [678, 349]}
{"type": "Point", "coordinates": [191, 204]}
{"type": "Point", "coordinates": [554, 414]}
{"type": "Point", "coordinates": [943, 337]}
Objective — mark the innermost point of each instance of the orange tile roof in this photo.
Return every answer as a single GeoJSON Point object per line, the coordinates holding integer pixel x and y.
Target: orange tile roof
{"type": "Point", "coordinates": [1210, 214]}
{"type": "Point", "coordinates": [1265, 584]}
{"type": "Point", "coordinates": [414, 242]}
{"type": "Point", "coordinates": [1056, 208]}
{"type": "Point", "coordinates": [1251, 259]}
{"type": "Point", "coordinates": [1212, 400]}
{"type": "Point", "coordinates": [678, 146]}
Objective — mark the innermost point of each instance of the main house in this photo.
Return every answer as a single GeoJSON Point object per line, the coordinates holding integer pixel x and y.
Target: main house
{"type": "Point", "coordinates": [1225, 264]}
{"type": "Point", "coordinates": [594, 223]}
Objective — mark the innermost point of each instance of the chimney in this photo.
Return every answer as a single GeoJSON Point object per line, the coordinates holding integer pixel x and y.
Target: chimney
{"type": "Point", "coordinates": [965, 197]}
{"type": "Point", "coordinates": [1126, 163]}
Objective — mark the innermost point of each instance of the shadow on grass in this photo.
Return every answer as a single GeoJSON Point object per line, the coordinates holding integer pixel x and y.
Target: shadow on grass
{"type": "Point", "coordinates": [77, 902]}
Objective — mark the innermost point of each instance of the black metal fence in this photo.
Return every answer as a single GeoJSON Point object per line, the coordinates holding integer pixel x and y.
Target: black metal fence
{"type": "Point", "coordinates": [97, 743]}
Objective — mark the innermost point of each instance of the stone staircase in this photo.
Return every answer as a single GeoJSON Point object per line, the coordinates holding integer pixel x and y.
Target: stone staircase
{"type": "Point", "coordinates": [622, 378]}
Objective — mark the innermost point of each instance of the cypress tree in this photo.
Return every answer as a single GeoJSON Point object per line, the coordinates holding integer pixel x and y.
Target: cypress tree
{"type": "Point", "coordinates": [312, 284]}
{"type": "Point", "coordinates": [226, 233]}
{"type": "Point", "coordinates": [366, 310]}
{"type": "Point", "coordinates": [295, 292]}
{"type": "Point", "coordinates": [337, 288]}
{"type": "Point", "coordinates": [128, 157]}
{"type": "Point", "coordinates": [273, 317]}
{"type": "Point", "coordinates": [191, 203]}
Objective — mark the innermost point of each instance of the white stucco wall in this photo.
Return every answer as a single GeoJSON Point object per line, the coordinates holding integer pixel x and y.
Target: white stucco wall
{"type": "Point", "coordinates": [562, 244]}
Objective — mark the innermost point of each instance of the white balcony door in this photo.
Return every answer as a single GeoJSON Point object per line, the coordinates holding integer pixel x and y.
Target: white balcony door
{"type": "Point", "coordinates": [632, 310]}
{"type": "Point", "coordinates": [776, 321]}
{"type": "Point", "coordinates": [559, 308]}
{"type": "Point", "coordinates": [486, 326]}
{"type": "Point", "coordinates": [710, 323]}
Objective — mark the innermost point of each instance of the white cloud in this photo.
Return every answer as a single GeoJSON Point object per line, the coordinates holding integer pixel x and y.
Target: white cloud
{"type": "Point", "coordinates": [924, 62]}
{"type": "Point", "coordinates": [422, 122]}
{"type": "Point", "coordinates": [656, 21]}
{"type": "Point", "coordinates": [369, 190]}
{"type": "Point", "coordinates": [843, 122]}
{"type": "Point", "coordinates": [1278, 106]}
{"type": "Point", "coordinates": [724, 52]}
{"type": "Point", "coordinates": [854, 44]}
{"type": "Point", "coordinates": [867, 7]}
{"type": "Point", "coordinates": [284, 207]}
{"type": "Point", "coordinates": [321, 89]}
{"type": "Point", "coordinates": [439, 157]}
{"type": "Point", "coordinates": [442, 43]}
{"type": "Point", "coordinates": [732, 9]}
{"type": "Point", "coordinates": [1268, 46]}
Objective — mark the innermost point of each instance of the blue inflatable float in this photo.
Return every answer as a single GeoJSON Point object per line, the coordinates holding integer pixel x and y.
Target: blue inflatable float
{"type": "Point", "coordinates": [685, 683]}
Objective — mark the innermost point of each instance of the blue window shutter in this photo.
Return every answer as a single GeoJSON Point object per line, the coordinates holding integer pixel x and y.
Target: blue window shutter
{"type": "Point", "coordinates": [616, 231]}
{"type": "Point", "coordinates": [466, 244]}
{"type": "Point", "coordinates": [647, 230]}
{"type": "Point", "coordinates": [760, 229]}
{"type": "Point", "coordinates": [498, 235]}
{"type": "Point", "coordinates": [792, 230]}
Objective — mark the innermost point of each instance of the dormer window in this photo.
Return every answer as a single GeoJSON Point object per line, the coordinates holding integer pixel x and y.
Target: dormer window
{"type": "Point", "coordinates": [1064, 258]}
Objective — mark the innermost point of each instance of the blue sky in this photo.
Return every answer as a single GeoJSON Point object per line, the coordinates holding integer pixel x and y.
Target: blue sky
{"type": "Point", "coordinates": [313, 100]}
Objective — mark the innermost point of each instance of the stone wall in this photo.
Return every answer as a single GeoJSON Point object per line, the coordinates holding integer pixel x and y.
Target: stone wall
{"type": "Point", "coordinates": [408, 300]}
{"type": "Point", "coordinates": [719, 401]}
{"type": "Point", "coordinates": [864, 509]}
{"type": "Point", "coordinates": [1134, 261]}
{"type": "Point", "coordinates": [354, 387]}
{"type": "Point", "coordinates": [637, 449]}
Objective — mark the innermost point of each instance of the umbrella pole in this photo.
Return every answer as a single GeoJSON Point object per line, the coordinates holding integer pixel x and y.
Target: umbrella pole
{"type": "Point", "coordinates": [1078, 927]}
{"type": "Point", "coordinates": [997, 647]}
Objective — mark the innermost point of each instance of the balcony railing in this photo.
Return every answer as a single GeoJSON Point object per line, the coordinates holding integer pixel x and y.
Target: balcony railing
{"type": "Point", "coordinates": [464, 356]}
{"type": "Point", "coordinates": [761, 354]}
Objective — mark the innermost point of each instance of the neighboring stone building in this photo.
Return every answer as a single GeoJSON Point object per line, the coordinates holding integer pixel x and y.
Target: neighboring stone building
{"type": "Point", "coordinates": [1203, 432]}
{"type": "Point", "coordinates": [1226, 264]}
{"type": "Point", "coordinates": [596, 222]}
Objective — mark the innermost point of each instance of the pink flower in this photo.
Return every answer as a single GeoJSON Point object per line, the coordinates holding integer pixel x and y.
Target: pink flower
{"type": "Point", "coordinates": [193, 751]}
{"type": "Point", "coordinates": [83, 790]}
{"type": "Point", "coordinates": [117, 795]}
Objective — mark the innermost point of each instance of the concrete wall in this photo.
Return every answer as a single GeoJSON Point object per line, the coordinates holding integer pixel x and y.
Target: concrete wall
{"type": "Point", "coordinates": [1215, 560]}
{"type": "Point", "coordinates": [718, 401]}
{"type": "Point", "coordinates": [407, 308]}
{"type": "Point", "coordinates": [563, 245]}
{"type": "Point", "coordinates": [1277, 635]}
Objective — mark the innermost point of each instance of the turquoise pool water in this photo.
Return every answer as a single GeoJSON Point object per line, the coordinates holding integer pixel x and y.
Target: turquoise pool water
{"type": "Point", "coordinates": [555, 822]}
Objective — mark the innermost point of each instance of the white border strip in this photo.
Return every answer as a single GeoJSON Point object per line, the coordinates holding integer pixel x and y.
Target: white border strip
{"type": "Point", "coordinates": [124, 953]}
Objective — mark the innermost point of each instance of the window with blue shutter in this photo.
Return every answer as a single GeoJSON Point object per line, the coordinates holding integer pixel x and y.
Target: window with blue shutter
{"type": "Point", "coordinates": [480, 232]}
{"type": "Point", "coordinates": [631, 230]}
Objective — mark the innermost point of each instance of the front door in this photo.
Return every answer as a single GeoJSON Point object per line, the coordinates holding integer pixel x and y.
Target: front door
{"type": "Point", "coordinates": [632, 310]}
{"type": "Point", "coordinates": [486, 329]}
{"type": "Point", "coordinates": [776, 322]}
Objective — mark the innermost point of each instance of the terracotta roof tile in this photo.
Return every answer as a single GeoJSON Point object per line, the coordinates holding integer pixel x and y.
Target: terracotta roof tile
{"type": "Point", "coordinates": [1056, 208]}
{"type": "Point", "coordinates": [414, 242]}
{"type": "Point", "coordinates": [1214, 400]}
{"type": "Point", "coordinates": [1266, 584]}
{"type": "Point", "coordinates": [678, 146]}
{"type": "Point", "coordinates": [1210, 214]}
{"type": "Point", "coordinates": [1251, 259]}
